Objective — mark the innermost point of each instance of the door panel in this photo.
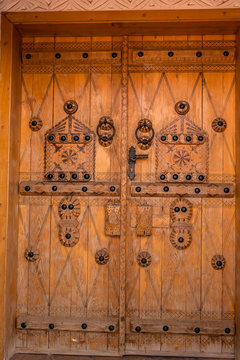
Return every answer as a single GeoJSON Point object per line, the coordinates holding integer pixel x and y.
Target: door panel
{"type": "Point", "coordinates": [177, 299]}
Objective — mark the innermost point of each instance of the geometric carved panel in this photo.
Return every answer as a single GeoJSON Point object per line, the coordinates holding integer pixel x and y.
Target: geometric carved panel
{"type": "Point", "coordinates": [112, 219]}
{"type": "Point", "coordinates": [144, 220]}
{"type": "Point", "coordinates": [69, 152]}
{"type": "Point", "coordinates": [182, 152]}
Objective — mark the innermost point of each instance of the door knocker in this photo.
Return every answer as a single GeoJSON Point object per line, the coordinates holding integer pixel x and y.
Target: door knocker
{"type": "Point", "coordinates": [105, 131]}
{"type": "Point", "coordinates": [144, 134]}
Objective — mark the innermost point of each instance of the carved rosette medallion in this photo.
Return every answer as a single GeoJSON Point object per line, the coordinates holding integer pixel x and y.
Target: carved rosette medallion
{"type": "Point", "coordinates": [69, 150]}
{"type": "Point", "coordinates": [31, 255]}
{"type": "Point", "coordinates": [68, 233]}
{"type": "Point", "coordinates": [219, 124]}
{"type": "Point", "coordinates": [69, 208]}
{"type": "Point", "coordinates": [144, 259]}
{"type": "Point", "coordinates": [218, 262]}
{"type": "Point", "coordinates": [182, 107]}
{"type": "Point", "coordinates": [181, 210]}
{"type": "Point", "coordinates": [70, 107]}
{"type": "Point", "coordinates": [35, 124]}
{"type": "Point", "coordinates": [182, 150]}
{"type": "Point", "coordinates": [181, 238]}
{"type": "Point", "coordinates": [102, 257]}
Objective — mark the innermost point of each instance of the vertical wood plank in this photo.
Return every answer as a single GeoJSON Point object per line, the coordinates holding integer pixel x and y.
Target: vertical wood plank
{"type": "Point", "coordinates": [123, 234]}
{"type": "Point", "coordinates": [10, 115]}
{"type": "Point", "coordinates": [237, 252]}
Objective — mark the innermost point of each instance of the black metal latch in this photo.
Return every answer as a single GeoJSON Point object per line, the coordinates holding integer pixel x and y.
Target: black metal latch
{"type": "Point", "coordinates": [132, 157]}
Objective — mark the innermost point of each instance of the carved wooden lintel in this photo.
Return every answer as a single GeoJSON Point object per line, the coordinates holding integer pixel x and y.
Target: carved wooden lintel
{"type": "Point", "coordinates": [71, 324]}
{"type": "Point", "coordinates": [206, 327]}
{"type": "Point", "coordinates": [214, 190]}
{"type": "Point", "coordinates": [80, 189]}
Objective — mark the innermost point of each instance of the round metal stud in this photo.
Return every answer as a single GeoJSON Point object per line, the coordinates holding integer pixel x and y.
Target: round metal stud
{"type": "Point", "coordinates": [175, 176]}
{"type": "Point", "coordinates": [76, 138]}
{"type": "Point", "coordinates": [197, 330]}
{"type": "Point", "coordinates": [226, 53]}
{"type": "Point", "coordinates": [200, 138]}
{"type": "Point", "coordinates": [87, 137]}
{"type": "Point", "coordinates": [165, 328]}
{"type": "Point", "coordinates": [68, 233]}
{"type": "Point", "coordinates": [138, 328]}
{"type": "Point", "coordinates": [64, 206]}
{"type": "Point", "coordinates": [162, 177]}
{"type": "Point", "coordinates": [198, 54]}
{"type": "Point", "coordinates": [176, 209]}
{"type": "Point", "coordinates": [180, 238]}
{"type": "Point", "coordinates": [188, 177]}
{"type": "Point", "coordinates": [219, 124]}
{"type": "Point", "coordinates": [86, 176]}
{"type": "Point", "coordinates": [170, 53]}
{"type": "Point", "coordinates": [227, 331]}
{"type": "Point", "coordinates": [114, 55]}
{"type": "Point", "coordinates": [84, 189]}
{"type": "Point", "coordinates": [74, 176]}
{"type": "Point", "coordinates": [51, 137]}
{"type": "Point", "coordinates": [84, 326]}
{"type": "Point", "coordinates": [183, 209]}
{"type": "Point", "coordinates": [163, 138]}
{"type": "Point", "coordinates": [102, 256]}
{"type": "Point", "coordinates": [71, 207]}
{"type": "Point", "coordinates": [54, 188]}
{"type": "Point", "coordinates": [63, 138]}
{"type": "Point", "coordinates": [218, 262]}
{"type": "Point", "coordinates": [49, 176]}
{"type": "Point", "coordinates": [138, 189]}
{"type": "Point", "coordinates": [182, 107]}
{"type": "Point", "coordinates": [51, 326]}
{"type": "Point", "coordinates": [175, 138]}
{"type": "Point", "coordinates": [201, 178]}
{"type": "Point", "coordinates": [57, 55]}
{"type": "Point", "coordinates": [28, 56]}
{"type": "Point", "coordinates": [85, 55]}
{"type": "Point", "coordinates": [188, 138]}
{"type": "Point", "coordinates": [61, 176]}
{"type": "Point", "coordinates": [70, 107]}
{"type": "Point", "coordinates": [27, 188]}
{"type": "Point", "coordinates": [144, 259]}
{"type": "Point", "coordinates": [23, 325]}
{"type": "Point", "coordinates": [226, 190]}
{"type": "Point", "coordinates": [111, 328]}
{"type": "Point", "coordinates": [166, 189]}
{"type": "Point", "coordinates": [35, 124]}
{"type": "Point", "coordinates": [197, 190]}
{"type": "Point", "coordinates": [112, 188]}
{"type": "Point", "coordinates": [140, 54]}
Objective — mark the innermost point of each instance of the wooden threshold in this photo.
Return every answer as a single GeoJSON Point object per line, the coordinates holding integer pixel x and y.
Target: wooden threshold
{"type": "Point", "coordinates": [126, 357]}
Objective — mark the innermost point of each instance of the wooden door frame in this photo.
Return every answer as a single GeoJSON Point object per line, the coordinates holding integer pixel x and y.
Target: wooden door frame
{"type": "Point", "coordinates": [16, 25]}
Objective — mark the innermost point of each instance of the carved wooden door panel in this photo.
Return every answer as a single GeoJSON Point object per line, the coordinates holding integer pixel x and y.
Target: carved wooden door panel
{"type": "Point", "coordinates": [68, 281]}
{"type": "Point", "coordinates": [180, 244]}
{"type": "Point", "coordinates": [126, 196]}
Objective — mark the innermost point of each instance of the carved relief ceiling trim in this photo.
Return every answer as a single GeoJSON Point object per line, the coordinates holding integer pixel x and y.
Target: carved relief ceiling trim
{"type": "Point", "coordinates": [96, 5]}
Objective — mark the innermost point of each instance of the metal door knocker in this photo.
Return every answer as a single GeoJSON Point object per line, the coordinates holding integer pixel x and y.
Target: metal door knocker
{"type": "Point", "coordinates": [105, 131]}
{"type": "Point", "coordinates": [144, 134]}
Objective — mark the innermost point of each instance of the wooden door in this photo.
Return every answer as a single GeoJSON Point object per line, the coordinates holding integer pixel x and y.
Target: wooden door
{"type": "Point", "coordinates": [116, 254]}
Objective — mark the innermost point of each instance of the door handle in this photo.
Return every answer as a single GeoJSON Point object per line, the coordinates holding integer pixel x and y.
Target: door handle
{"type": "Point", "coordinates": [132, 158]}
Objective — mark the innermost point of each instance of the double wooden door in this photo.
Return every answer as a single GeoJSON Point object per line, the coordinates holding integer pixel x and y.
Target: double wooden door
{"type": "Point", "coordinates": [120, 253]}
